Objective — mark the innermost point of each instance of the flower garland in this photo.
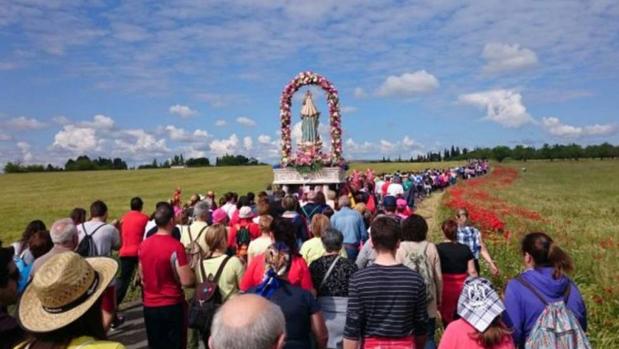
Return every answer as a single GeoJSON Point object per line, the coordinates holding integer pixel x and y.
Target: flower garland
{"type": "Point", "coordinates": [312, 159]}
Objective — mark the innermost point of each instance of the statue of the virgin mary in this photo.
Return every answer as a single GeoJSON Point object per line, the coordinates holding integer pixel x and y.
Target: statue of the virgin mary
{"type": "Point", "coordinates": [309, 125]}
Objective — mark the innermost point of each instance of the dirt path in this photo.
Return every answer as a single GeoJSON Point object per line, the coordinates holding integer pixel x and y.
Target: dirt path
{"type": "Point", "coordinates": [428, 209]}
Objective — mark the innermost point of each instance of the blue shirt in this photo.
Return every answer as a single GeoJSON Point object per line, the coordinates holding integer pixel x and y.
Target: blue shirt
{"type": "Point", "coordinates": [350, 223]}
{"type": "Point", "coordinates": [471, 237]}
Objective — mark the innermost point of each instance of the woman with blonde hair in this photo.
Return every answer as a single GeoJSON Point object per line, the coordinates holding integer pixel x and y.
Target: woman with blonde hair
{"type": "Point", "coordinates": [313, 248]}
{"type": "Point", "coordinates": [228, 270]}
{"type": "Point", "coordinates": [217, 240]}
{"type": "Point", "coordinates": [259, 245]}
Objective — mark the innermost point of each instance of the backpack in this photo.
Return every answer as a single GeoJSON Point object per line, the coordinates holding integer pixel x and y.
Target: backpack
{"type": "Point", "coordinates": [557, 326]}
{"type": "Point", "coordinates": [194, 250]}
{"type": "Point", "coordinates": [243, 238]}
{"type": "Point", "coordinates": [24, 272]}
{"type": "Point", "coordinates": [418, 261]}
{"type": "Point", "coordinates": [206, 301]}
{"type": "Point", "coordinates": [87, 247]}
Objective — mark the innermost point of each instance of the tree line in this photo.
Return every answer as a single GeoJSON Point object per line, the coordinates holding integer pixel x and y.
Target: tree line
{"type": "Point", "coordinates": [81, 163]}
{"type": "Point", "coordinates": [521, 153]}
{"type": "Point", "coordinates": [84, 163]}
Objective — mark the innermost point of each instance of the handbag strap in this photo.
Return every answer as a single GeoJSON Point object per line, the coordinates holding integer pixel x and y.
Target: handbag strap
{"type": "Point", "coordinates": [324, 279]}
{"type": "Point", "coordinates": [221, 269]}
{"type": "Point", "coordinates": [530, 287]}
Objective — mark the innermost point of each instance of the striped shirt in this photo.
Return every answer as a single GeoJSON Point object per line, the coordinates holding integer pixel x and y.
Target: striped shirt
{"type": "Point", "coordinates": [386, 301]}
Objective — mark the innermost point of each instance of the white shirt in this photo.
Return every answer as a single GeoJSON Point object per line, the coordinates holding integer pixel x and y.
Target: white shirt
{"type": "Point", "coordinates": [149, 225]}
{"type": "Point", "coordinates": [229, 208]}
{"type": "Point", "coordinates": [395, 189]}
{"type": "Point", "coordinates": [106, 238]}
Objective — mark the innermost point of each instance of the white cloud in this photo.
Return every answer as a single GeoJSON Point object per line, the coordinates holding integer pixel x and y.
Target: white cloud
{"type": "Point", "coordinates": [386, 146]}
{"type": "Point", "coordinates": [129, 32]}
{"type": "Point", "coordinates": [410, 143]}
{"type": "Point", "coordinates": [200, 133]}
{"type": "Point", "coordinates": [181, 135]}
{"type": "Point", "coordinates": [221, 147]}
{"type": "Point", "coordinates": [248, 143]}
{"type": "Point", "coordinates": [21, 123]}
{"type": "Point", "coordinates": [360, 93]}
{"type": "Point", "coordinates": [100, 121]}
{"type": "Point", "coordinates": [5, 137]}
{"type": "Point", "coordinates": [353, 147]}
{"type": "Point", "coordinates": [348, 109]}
{"type": "Point", "coordinates": [245, 121]}
{"type": "Point", "coordinates": [408, 84]}
{"type": "Point", "coordinates": [182, 110]}
{"type": "Point", "coordinates": [555, 127]}
{"type": "Point", "coordinates": [78, 140]}
{"type": "Point", "coordinates": [504, 107]}
{"type": "Point", "coordinates": [61, 120]}
{"type": "Point", "coordinates": [220, 123]}
{"type": "Point", "coordinates": [220, 100]}
{"type": "Point", "coordinates": [504, 57]}
{"type": "Point", "coordinates": [24, 147]}
{"type": "Point", "coordinates": [141, 143]}
{"type": "Point", "coordinates": [177, 134]}
{"type": "Point", "coordinates": [264, 139]}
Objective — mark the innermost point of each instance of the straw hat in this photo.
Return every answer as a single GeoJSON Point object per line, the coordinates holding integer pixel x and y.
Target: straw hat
{"type": "Point", "coordinates": [65, 287]}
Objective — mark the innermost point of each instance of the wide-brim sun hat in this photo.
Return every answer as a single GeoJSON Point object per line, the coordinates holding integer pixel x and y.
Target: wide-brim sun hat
{"type": "Point", "coordinates": [63, 290]}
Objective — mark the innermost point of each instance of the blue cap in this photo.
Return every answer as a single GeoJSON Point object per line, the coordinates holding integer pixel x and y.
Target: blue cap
{"type": "Point", "coordinates": [389, 201]}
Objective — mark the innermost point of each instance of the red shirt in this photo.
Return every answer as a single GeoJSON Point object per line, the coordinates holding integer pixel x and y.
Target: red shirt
{"type": "Point", "coordinates": [299, 274]}
{"type": "Point", "coordinates": [157, 256]}
{"type": "Point", "coordinates": [132, 232]}
{"type": "Point", "coordinates": [385, 187]}
{"type": "Point", "coordinates": [254, 231]}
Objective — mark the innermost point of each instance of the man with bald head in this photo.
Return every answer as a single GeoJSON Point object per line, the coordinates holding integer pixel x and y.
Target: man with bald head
{"type": "Point", "coordinates": [248, 322]}
{"type": "Point", "coordinates": [64, 237]}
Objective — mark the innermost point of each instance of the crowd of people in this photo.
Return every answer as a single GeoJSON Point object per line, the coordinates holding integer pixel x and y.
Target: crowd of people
{"type": "Point", "coordinates": [312, 268]}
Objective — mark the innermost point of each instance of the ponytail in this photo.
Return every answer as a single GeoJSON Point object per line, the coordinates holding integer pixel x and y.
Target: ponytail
{"type": "Point", "coordinates": [494, 335]}
{"type": "Point", "coordinates": [546, 253]}
{"type": "Point", "coordinates": [561, 261]}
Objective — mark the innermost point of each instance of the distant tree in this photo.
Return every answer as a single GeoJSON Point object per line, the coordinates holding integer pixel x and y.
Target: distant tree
{"type": "Point", "coordinates": [501, 152]}
{"type": "Point", "coordinates": [197, 162]}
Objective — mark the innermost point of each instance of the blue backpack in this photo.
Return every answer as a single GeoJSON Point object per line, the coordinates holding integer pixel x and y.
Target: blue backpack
{"type": "Point", "coordinates": [24, 272]}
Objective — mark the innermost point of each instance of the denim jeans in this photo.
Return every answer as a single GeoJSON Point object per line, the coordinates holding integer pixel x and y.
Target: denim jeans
{"type": "Point", "coordinates": [352, 252]}
{"type": "Point", "coordinates": [430, 343]}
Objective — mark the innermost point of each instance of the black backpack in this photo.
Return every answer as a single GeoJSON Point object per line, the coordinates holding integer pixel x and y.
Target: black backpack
{"type": "Point", "coordinates": [87, 247]}
{"type": "Point", "coordinates": [206, 301]}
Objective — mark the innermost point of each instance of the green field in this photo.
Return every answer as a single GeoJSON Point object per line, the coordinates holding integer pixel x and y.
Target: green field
{"type": "Point", "coordinates": [49, 196]}
{"type": "Point", "coordinates": [579, 203]}
{"type": "Point", "coordinates": [578, 200]}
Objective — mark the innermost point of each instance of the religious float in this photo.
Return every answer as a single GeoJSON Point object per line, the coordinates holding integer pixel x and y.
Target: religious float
{"type": "Point", "coordinates": [309, 165]}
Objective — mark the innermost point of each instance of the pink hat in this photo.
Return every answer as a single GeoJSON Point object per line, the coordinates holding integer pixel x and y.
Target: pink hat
{"type": "Point", "coordinates": [401, 203]}
{"type": "Point", "coordinates": [245, 212]}
{"type": "Point", "coordinates": [219, 216]}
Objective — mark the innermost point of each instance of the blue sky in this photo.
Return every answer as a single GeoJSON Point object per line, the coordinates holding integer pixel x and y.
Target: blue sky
{"type": "Point", "coordinates": [143, 80]}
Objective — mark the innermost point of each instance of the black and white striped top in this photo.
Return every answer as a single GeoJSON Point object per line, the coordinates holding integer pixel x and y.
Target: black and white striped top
{"type": "Point", "coordinates": [386, 301]}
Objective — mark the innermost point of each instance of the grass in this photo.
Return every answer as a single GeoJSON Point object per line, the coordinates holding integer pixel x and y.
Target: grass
{"type": "Point", "coordinates": [579, 203]}
{"type": "Point", "coordinates": [49, 196]}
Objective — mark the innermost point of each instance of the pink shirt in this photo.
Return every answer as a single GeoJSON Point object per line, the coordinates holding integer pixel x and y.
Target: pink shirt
{"type": "Point", "coordinates": [461, 335]}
